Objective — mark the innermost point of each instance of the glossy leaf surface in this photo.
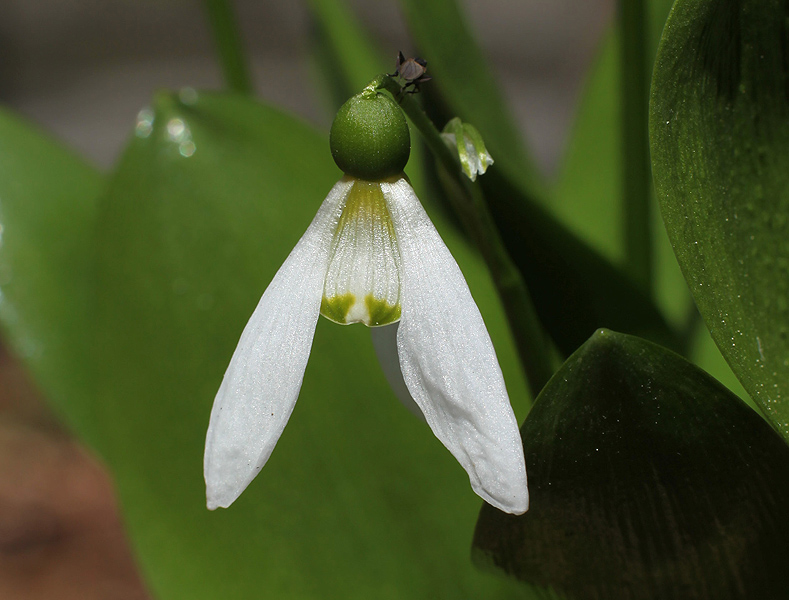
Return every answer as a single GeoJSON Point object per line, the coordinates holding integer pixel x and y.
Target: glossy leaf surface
{"type": "Point", "coordinates": [720, 147]}
{"type": "Point", "coordinates": [358, 499]}
{"type": "Point", "coordinates": [648, 479]}
{"type": "Point", "coordinates": [48, 199]}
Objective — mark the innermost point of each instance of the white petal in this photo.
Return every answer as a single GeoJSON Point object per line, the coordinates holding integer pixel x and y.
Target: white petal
{"type": "Point", "coordinates": [264, 377]}
{"type": "Point", "coordinates": [363, 278]}
{"type": "Point", "coordinates": [448, 360]}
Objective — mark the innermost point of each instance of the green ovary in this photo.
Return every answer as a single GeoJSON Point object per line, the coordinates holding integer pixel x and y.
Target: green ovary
{"type": "Point", "coordinates": [374, 313]}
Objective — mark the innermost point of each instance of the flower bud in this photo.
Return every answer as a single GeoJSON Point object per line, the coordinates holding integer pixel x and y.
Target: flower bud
{"type": "Point", "coordinates": [464, 139]}
{"type": "Point", "coordinates": [369, 138]}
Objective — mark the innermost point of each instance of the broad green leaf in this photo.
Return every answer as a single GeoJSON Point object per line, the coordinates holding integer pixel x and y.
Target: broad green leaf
{"type": "Point", "coordinates": [467, 86]}
{"type": "Point", "coordinates": [358, 499]}
{"type": "Point", "coordinates": [648, 479]}
{"type": "Point", "coordinates": [48, 200]}
{"type": "Point", "coordinates": [720, 146]}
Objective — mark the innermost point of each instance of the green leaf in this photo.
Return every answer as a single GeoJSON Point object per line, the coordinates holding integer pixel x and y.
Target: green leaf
{"type": "Point", "coordinates": [344, 55]}
{"type": "Point", "coordinates": [575, 290]}
{"type": "Point", "coordinates": [589, 190]}
{"type": "Point", "coordinates": [720, 139]}
{"type": "Point", "coordinates": [706, 356]}
{"type": "Point", "coordinates": [48, 200]}
{"type": "Point", "coordinates": [358, 500]}
{"type": "Point", "coordinates": [229, 47]}
{"type": "Point", "coordinates": [648, 479]}
{"type": "Point", "coordinates": [589, 187]}
{"type": "Point", "coordinates": [588, 195]}
{"type": "Point", "coordinates": [468, 87]}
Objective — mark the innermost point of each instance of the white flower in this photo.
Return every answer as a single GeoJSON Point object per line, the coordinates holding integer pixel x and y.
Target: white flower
{"type": "Point", "coordinates": [370, 255]}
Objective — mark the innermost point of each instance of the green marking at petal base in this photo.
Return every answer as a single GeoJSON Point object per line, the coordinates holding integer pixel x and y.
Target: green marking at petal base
{"type": "Point", "coordinates": [380, 311]}
{"type": "Point", "coordinates": [336, 309]}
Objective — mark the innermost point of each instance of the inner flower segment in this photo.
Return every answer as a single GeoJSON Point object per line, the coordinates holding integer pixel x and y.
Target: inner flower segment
{"type": "Point", "coordinates": [363, 279]}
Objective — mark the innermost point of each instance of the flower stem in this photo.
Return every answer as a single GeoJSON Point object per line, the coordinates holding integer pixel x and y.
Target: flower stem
{"type": "Point", "coordinates": [531, 341]}
{"type": "Point", "coordinates": [229, 46]}
{"type": "Point", "coordinates": [637, 174]}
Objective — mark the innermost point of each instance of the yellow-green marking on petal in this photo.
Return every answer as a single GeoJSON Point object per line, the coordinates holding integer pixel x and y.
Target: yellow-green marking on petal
{"type": "Point", "coordinates": [337, 308]}
{"type": "Point", "coordinates": [381, 312]}
{"type": "Point", "coordinates": [363, 278]}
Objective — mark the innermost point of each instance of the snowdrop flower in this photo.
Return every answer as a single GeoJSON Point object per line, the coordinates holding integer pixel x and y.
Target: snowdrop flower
{"type": "Point", "coordinates": [371, 255]}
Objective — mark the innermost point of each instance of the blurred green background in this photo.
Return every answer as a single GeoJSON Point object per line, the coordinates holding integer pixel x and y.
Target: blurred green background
{"type": "Point", "coordinates": [82, 71]}
{"type": "Point", "coordinates": [124, 294]}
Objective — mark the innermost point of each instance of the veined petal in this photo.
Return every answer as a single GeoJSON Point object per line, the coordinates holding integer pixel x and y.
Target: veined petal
{"type": "Point", "coordinates": [264, 377]}
{"type": "Point", "coordinates": [448, 360]}
{"type": "Point", "coordinates": [363, 278]}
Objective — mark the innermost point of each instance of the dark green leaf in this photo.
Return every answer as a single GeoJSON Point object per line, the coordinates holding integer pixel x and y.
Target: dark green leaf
{"type": "Point", "coordinates": [720, 147]}
{"type": "Point", "coordinates": [48, 200]}
{"type": "Point", "coordinates": [648, 479]}
{"type": "Point", "coordinates": [468, 87]}
{"type": "Point", "coordinates": [574, 289]}
{"type": "Point", "coordinates": [358, 500]}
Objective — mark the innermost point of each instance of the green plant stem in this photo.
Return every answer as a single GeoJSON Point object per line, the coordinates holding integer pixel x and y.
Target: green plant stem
{"type": "Point", "coordinates": [531, 341]}
{"type": "Point", "coordinates": [637, 173]}
{"type": "Point", "coordinates": [228, 42]}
